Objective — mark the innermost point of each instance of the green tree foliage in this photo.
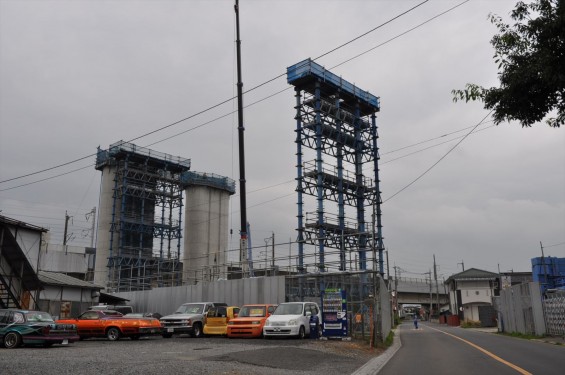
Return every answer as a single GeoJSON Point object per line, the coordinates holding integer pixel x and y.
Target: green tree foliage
{"type": "Point", "coordinates": [531, 60]}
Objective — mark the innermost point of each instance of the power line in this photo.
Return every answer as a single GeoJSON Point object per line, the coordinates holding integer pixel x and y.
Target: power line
{"type": "Point", "coordinates": [439, 160]}
{"type": "Point", "coordinates": [208, 108]}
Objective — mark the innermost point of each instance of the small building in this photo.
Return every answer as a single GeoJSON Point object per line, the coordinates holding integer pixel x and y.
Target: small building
{"type": "Point", "coordinates": [19, 257]}
{"type": "Point", "coordinates": [470, 295]}
{"type": "Point", "coordinates": [64, 296]}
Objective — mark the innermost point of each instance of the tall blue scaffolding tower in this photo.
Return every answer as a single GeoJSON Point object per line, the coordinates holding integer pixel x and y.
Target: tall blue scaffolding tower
{"type": "Point", "coordinates": [146, 216]}
{"type": "Point", "coordinates": [336, 120]}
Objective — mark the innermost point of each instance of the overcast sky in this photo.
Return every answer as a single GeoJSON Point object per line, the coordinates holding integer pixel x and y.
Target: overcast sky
{"type": "Point", "coordinates": [75, 75]}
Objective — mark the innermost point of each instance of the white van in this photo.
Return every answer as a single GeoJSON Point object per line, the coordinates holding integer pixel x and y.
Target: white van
{"type": "Point", "coordinates": [291, 319]}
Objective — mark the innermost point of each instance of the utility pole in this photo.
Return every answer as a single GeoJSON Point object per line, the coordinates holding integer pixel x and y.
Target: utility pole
{"type": "Point", "coordinates": [273, 252]}
{"type": "Point", "coordinates": [437, 288]}
{"type": "Point", "coordinates": [544, 267]}
{"type": "Point", "coordinates": [67, 217]}
{"type": "Point", "coordinates": [266, 254]}
{"type": "Point", "coordinates": [429, 273]}
{"type": "Point", "coordinates": [462, 265]}
{"type": "Point", "coordinates": [396, 286]}
{"type": "Point", "coordinates": [93, 214]}
{"type": "Point", "coordinates": [289, 255]}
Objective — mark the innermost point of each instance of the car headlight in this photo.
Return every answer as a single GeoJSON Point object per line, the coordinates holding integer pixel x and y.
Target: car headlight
{"type": "Point", "coordinates": [292, 322]}
{"type": "Point", "coordinates": [267, 322]}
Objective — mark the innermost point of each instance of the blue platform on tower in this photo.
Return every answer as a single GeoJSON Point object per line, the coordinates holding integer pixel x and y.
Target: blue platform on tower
{"type": "Point", "coordinates": [305, 74]}
{"type": "Point", "coordinates": [122, 150]}
{"type": "Point", "coordinates": [190, 178]}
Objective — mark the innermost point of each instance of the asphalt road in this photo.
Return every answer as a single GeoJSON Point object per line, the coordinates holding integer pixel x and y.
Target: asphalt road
{"type": "Point", "coordinates": [438, 349]}
{"type": "Point", "coordinates": [187, 355]}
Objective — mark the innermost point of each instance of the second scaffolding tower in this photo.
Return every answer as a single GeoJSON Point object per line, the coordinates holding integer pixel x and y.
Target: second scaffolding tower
{"type": "Point", "coordinates": [336, 120]}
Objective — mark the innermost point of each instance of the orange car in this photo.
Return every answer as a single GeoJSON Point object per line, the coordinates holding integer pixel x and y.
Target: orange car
{"type": "Point", "coordinates": [250, 321]}
{"type": "Point", "coordinates": [113, 325]}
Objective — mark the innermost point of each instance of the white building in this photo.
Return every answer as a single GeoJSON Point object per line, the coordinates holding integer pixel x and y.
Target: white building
{"type": "Point", "coordinates": [470, 295]}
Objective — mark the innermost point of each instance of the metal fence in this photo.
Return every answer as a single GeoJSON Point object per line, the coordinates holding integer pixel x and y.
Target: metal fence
{"type": "Point", "coordinates": [554, 309]}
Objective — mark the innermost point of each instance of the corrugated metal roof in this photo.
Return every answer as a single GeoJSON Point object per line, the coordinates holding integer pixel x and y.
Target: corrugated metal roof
{"type": "Point", "coordinates": [57, 278]}
{"type": "Point", "coordinates": [473, 274]}
{"type": "Point", "coordinates": [21, 224]}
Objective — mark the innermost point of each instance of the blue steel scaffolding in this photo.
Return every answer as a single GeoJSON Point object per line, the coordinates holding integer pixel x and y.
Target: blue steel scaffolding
{"type": "Point", "coordinates": [336, 120]}
{"type": "Point", "coordinates": [147, 203]}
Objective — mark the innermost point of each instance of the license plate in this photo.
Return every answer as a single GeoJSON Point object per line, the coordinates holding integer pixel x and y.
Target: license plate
{"type": "Point", "coordinates": [170, 330]}
{"type": "Point", "coordinates": [65, 342]}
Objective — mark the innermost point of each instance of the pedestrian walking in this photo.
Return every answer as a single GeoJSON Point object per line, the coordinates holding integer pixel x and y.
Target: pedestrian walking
{"type": "Point", "coordinates": [415, 321]}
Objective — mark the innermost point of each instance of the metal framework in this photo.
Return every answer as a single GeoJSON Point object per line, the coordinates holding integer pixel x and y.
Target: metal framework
{"type": "Point", "coordinates": [337, 121]}
{"type": "Point", "coordinates": [146, 206]}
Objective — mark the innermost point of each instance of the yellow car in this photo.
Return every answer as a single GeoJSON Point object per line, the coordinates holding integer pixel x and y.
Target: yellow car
{"type": "Point", "coordinates": [217, 319]}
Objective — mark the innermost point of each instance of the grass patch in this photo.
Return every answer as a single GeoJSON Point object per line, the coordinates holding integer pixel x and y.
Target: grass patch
{"type": "Point", "coordinates": [522, 335]}
{"type": "Point", "coordinates": [389, 339]}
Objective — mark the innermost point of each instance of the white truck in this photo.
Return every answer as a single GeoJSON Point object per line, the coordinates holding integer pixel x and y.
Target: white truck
{"type": "Point", "coordinates": [188, 319]}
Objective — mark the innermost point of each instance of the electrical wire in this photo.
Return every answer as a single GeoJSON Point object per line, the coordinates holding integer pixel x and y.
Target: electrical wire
{"type": "Point", "coordinates": [437, 162]}
{"type": "Point", "coordinates": [206, 109]}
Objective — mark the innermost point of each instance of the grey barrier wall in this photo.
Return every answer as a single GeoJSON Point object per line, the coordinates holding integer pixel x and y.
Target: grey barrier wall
{"type": "Point", "coordinates": [520, 309]}
{"type": "Point", "coordinates": [233, 292]}
{"type": "Point", "coordinates": [267, 290]}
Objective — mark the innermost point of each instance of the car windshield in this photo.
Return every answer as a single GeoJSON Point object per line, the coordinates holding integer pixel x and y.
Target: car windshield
{"type": "Point", "coordinates": [252, 311]}
{"type": "Point", "coordinates": [289, 309]}
{"type": "Point", "coordinates": [190, 308]}
{"type": "Point", "coordinates": [38, 316]}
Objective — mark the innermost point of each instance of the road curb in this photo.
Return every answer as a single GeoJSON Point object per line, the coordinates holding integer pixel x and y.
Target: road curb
{"type": "Point", "coordinates": [376, 364]}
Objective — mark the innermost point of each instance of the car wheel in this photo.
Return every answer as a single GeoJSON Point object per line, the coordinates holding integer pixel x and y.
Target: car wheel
{"type": "Point", "coordinates": [197, 330]}
{"type": "Point", "coordinates": [113, 334]}
{"type": "Point", "coordinates": [301, 333]}
{"type": "Point", "coordinates": [167, 335]}
{"type": "Point", "coordinates": [12, 340]}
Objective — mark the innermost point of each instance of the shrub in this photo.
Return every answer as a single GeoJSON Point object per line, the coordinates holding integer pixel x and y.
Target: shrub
{"type": "Point", "coordinates": [470, 323]}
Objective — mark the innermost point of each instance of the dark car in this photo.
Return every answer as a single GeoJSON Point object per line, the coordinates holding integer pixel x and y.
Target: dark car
{"type": "Point", "coordinates": [24, 327]}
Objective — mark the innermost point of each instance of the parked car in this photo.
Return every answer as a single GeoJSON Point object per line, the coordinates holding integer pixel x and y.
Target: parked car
{"type": "Point", "coordinates": [24, 327]}
{"type": "Point", "coordinates": [291, 319]}
{"type": "Point", "coordinates": [144, 315]}
{"type": "Point", "coordinates": [250, 321]}
{"type": "Point", "coordinates": [113, 325]}
{"type": "Point", "coordinates": [217, 319]}
{"type": "Point", "coordinates": [124, 309]}
{"type": "Point", "coordinates": [189, 318]}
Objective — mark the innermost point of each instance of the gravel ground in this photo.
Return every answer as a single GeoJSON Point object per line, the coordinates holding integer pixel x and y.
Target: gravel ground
{"type": "Point", "coordinates": [186, 355]}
